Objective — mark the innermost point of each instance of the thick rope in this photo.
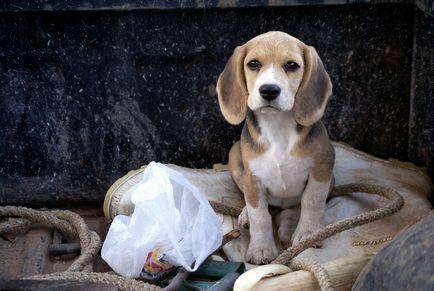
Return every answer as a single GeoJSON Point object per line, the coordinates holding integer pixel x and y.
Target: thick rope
{"type": "Point", "coordinates": [316, 269]}
{"type": "Point", "coordinates": [69, 223]}
{"type": "Point", "coordinates": [37, 216]}
{"type": "Point", "coordinates": [72, 224]}
{"type": "Point", "coordinates": [395, 204]}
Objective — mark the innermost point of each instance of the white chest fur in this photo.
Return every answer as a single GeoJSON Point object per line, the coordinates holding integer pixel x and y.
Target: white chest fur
{"type": "Point", "coordinates": [283, 175]}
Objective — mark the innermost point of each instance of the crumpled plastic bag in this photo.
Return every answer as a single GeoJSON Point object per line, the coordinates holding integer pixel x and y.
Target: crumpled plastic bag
{"type": "Point", "coordinates": [172, 224]}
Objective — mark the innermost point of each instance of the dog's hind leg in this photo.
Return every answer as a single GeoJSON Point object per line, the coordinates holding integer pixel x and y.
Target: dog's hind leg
{"type": "Point", "coordinates": [236, 166]}
{"type": "Point", "coordinates": [287, 221]}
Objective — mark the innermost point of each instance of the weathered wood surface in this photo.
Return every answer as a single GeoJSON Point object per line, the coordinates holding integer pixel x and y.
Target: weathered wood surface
{"type": "Point", "coordinates": [38, 285]}
{"type": "Point", "coordinates": [342, 272]}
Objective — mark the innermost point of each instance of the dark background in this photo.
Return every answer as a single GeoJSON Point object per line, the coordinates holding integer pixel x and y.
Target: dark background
{"type": "Point", "coordinates": [86, 96]}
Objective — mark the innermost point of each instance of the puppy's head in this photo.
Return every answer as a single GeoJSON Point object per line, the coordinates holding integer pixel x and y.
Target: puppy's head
{"type": "Point", "coordinates": [274, 72]}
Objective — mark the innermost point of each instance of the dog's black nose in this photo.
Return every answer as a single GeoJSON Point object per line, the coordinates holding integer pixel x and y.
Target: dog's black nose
{"type": "Point", "coordinates": [269, 91]}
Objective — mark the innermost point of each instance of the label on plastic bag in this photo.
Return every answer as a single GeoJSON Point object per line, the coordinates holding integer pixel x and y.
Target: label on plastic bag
{"type": "Point", "coordinates": [171, 215]}
{"type": "Point", "coordinates": [155, 265]}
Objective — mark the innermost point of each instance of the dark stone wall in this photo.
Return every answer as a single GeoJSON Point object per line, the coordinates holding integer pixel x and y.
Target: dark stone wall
{"type": "Point", "coordinates": [86, 5]}
{"type": "Point", "coordinates": [87, 96]}
{"type": "Point", "coordinates": [421, 138]}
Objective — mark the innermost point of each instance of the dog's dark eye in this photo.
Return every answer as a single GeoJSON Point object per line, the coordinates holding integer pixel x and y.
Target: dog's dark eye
{"type": "Point", "coordinates": [291, 66]}
{"type": "Point", "coordinates": [254, 65]}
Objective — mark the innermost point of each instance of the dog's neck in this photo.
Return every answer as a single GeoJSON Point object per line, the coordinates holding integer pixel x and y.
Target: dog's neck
{"type": "Point", "coordinates": [277, 128]}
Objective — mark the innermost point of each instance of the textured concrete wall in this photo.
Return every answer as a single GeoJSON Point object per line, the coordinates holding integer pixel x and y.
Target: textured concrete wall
{"type": "Point", "coordinates": [421, 138]}
{"type": "Point", "coordinates": [87, 96]}
{"type": "Point", "coordinates": [86, 5]}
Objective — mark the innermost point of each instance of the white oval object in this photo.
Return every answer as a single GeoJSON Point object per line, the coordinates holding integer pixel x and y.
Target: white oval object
{"type": "Point", "coordinates": [249, 279]}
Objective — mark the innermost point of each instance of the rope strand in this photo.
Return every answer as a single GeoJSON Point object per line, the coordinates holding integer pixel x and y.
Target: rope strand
{"type": "Point", "coordinates": [316, 269]}
{"type": "Point", "coordinates": [395, 204]}
{"type": "Point", "coordinates": [71, 224]}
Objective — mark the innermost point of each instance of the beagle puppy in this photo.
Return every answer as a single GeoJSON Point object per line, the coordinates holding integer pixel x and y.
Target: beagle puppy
{"type": "Point", "coordinates": [284, 158]}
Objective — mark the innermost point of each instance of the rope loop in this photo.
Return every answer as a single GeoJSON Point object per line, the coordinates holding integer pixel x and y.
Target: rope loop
{"type": "Point", "coordinates": [72, 225]}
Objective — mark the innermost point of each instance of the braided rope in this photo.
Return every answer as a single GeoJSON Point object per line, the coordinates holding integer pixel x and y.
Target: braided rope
{"type": "Point", "coordinates": [316, 269]}
{"type": "Point", "coordinates": [68, 222]}
{"type": "Point", "coordinates": [72, 224]}
{"type": "Point", "coordinates": [396, 203]}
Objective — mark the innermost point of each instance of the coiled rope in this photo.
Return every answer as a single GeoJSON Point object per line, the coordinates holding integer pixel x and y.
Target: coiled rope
{"type": "Point", "coordinates": [72, 225]}
{"type": "Point", "coordinates": [396, 202]}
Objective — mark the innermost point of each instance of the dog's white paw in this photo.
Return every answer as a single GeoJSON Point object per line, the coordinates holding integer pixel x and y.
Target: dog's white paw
{"type": "Point", "coordinates": [243, 218]}
{"type": "Point", "coordinates": [304, 230]}
{"type": "Point", "coordinates": [261, 253]}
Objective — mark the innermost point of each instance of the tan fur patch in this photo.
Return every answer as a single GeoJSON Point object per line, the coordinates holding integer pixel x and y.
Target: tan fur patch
{"type": "Point", "coordinates": [244, 150]}
{"type": "Point", "coordinates": [314, 140]}
{"type": "Point", "coordinates": [236, 167]}
{"type": "Point", "coordinates": [251, 189]}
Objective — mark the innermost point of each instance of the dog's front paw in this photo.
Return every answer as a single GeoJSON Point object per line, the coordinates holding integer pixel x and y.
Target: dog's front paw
{"type": "Point", "coordinates": [259, 254]}
{"type": "Point", "coordinates": [304, 230]}
{"type": "Point", "coordinates": [243, 218]}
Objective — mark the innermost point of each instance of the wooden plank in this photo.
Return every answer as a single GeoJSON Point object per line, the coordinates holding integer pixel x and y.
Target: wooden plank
{"type": "Point", "coordinates": [39, 285]}
{"type": "Point", "coordinates": [342, 272]}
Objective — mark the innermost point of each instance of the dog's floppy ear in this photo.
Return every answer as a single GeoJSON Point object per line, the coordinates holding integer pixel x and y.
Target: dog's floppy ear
{"type": "Point", "coordinates": [314, 91]}
{"type": "Point", "coordinates": [232, 89]}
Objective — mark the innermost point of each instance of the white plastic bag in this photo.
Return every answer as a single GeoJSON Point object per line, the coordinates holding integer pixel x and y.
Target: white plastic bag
{"type": "Point", "coordinates": [172, 222]}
